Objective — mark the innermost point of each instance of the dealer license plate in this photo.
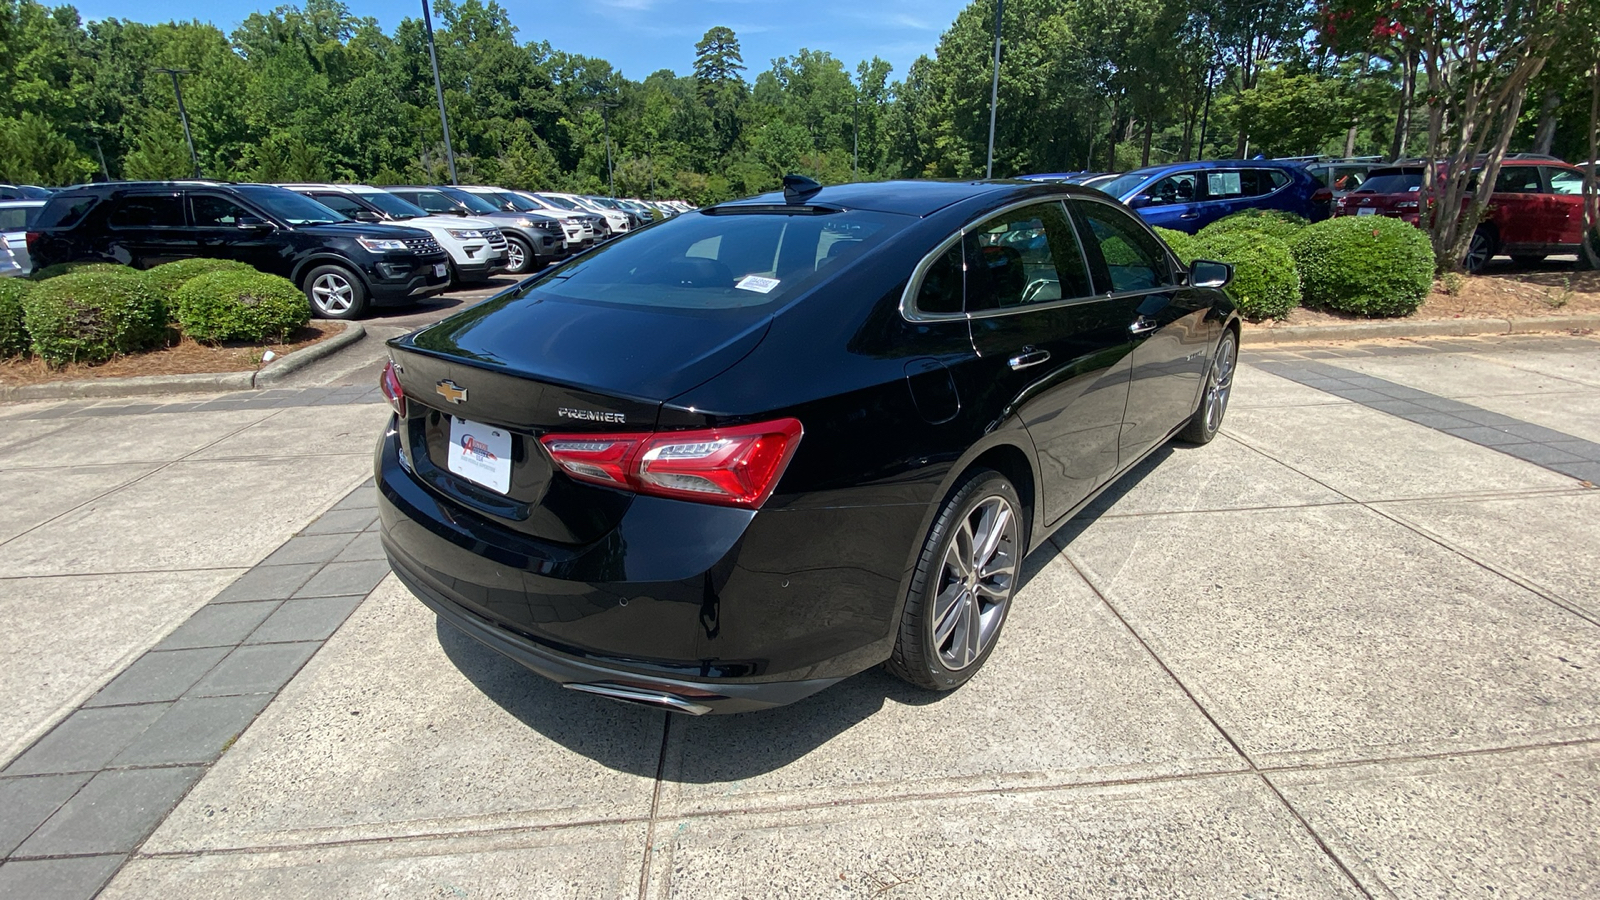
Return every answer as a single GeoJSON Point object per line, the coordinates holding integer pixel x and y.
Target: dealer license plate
{"type": "Point", "coordinates": [1366, 212]}
{"type": "Point", "coordinates": [439, 270]}
{"type": "Point", "coordinates": [481, 454]}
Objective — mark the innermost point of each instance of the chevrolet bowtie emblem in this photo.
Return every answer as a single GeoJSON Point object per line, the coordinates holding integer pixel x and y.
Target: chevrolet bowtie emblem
{"type": "Point", "coordinates": [451, 391]}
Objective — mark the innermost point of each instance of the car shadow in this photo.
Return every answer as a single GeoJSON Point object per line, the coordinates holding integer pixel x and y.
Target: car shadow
{"type": "Point", "coordinates": [752, 744]}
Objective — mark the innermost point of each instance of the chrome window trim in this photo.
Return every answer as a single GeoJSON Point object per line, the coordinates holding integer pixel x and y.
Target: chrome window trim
{"type": "Point", "coordinates": [908, 297]}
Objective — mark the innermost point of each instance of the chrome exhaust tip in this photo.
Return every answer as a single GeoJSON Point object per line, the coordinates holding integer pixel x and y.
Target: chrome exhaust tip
{"type": "Point", "coordinates": [641, 697]}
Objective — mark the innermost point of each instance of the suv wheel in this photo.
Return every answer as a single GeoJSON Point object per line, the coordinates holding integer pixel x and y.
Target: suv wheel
{"type": "Point", "coordinates": [1480, 251]}
{"type": "Point", "coordinates": [519, 256]}
{"type": "Point", "coordinates": [335, 293]}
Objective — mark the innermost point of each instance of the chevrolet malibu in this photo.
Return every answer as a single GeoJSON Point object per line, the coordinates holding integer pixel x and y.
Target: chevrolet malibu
{"type": "Point", "coordinates": [747, 452]}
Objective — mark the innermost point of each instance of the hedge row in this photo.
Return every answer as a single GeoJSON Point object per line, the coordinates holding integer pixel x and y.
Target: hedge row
{"type": "Point", "coordinates": [90, 312]}
{"type": "Point", "coordinates": [1368, 266]}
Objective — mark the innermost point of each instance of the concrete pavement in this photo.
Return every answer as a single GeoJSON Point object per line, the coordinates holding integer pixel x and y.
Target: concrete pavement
{"type": "Point", "coordinates": [1346, 650]}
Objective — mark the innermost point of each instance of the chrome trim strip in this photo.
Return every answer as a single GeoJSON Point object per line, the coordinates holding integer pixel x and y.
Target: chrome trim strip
{"type": "Point", "coordinates": [636, 695]}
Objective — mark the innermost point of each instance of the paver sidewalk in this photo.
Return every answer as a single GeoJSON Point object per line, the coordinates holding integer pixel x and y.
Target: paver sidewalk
{"type": "Point", "coordinates": [1346, 650]}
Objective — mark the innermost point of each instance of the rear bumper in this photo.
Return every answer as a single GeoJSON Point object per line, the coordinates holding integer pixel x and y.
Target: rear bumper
{"type": "Point", "coordinates": [723, 608]}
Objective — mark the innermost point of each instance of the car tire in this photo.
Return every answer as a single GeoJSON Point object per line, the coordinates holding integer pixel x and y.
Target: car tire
{"type": "Point", "coordinates": [963, 587]}
{"type": "Point", "coordinates": [1479, 251]}
{"type": "Point", "coordinates": [335, 292]}
{"type": "Point", "coordinates": [1527, 259]}
{"type": "Point", "coordinates": [520, 259]}
{"type": "Point", "coordinates": [1207, 418]}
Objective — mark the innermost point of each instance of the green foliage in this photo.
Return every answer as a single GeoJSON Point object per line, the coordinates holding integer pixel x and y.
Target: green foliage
{"type": "Point", "coordinates": [1366, 265]}
{"type": "Point", "coordinates": [91, 316]}
{"type": "Point", "coordinates": [1266, 281]}
{"type": "Point", "coordinates": [1184, 246]}
{"type": "Point", "coordinates": [70, 268]}
{"type": "Point", "coordinates": [1276, 222]}
{"type": "Point", "coordinates": [240, 306]}
{"type": "Point", "coordinates": [168, 277]}
{"type": "Point", "coordinates": [13, 334]}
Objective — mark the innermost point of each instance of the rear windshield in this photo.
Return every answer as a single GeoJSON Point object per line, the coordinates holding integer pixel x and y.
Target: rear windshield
{"type": "Point", "coordinates": [18, 218]}
{"type": "Point", "coordinates": [1393, 183]}
{"type": "Point", "coordinates": [718, 261]}
{"type": "Point", "coordinates": [65, 211]}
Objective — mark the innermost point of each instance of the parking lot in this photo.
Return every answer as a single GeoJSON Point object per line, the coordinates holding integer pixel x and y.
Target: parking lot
{"type": "Point", "coordinates": [1349, 649]}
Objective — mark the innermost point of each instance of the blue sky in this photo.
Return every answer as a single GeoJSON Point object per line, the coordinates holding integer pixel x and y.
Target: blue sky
{"type": "Point", "coordinates": [641, 36]}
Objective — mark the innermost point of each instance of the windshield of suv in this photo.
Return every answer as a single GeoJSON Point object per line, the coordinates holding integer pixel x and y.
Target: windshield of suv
{"type": "Point", "coordinates": [291, 207]}
{"type": "Point", "coordinates": [1392, 183]}
{"type": "Point", "coordinates": [561, 203]}
{"type": "Point", "coordinates": [473, 202]}
{"type": "Point", "coordinates": [723, 261]}
{"type": "Point", "coordinates": [602, 202]}
{"type": "Point", "coordinates": [393, 206]}
{"type": "Point", "coordinates": [513, 202]}
{"type": "Point", "coordinates": [1122, 184]}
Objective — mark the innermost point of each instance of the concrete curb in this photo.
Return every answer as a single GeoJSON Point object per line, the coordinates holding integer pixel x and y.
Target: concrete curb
{"type": "Point", "coordinates": [1366, 331]}
{"type": "Point", "coordinates": [220, 382]}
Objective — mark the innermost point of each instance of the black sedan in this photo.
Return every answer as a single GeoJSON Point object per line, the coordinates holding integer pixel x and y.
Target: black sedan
{"type": "Point", "coordinates": [745, 453]}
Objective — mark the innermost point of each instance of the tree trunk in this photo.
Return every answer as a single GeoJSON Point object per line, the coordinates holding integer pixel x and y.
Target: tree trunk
{"type": "Point", "coordinates": [1111, 155]}
{"type": "Point", "coordinates": [1589, 257]}
{"type": "Point", "coordinates": [1402, 119]}
{"type": "Point", "coordinates": [1149, 132]}
{"type": "Point", "coordinates": [1545, 136]}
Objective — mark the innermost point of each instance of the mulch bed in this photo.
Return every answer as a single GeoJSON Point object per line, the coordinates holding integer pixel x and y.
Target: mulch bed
{"type": "Point", "coordinates": [183, 357]}
{"type": "Point", "coordinates": [1550, 290]}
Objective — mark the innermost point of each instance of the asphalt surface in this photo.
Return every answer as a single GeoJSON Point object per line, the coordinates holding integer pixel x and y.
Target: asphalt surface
{"type": "Point", "coordinates": [1349, 649]}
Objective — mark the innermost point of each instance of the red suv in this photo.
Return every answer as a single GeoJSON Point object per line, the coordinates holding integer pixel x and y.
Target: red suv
{"type": "Point", "coordinates": [1536, 209]}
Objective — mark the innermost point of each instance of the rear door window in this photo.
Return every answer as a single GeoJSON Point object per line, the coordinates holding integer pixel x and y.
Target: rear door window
{"type": "Point", "coordinates": [1124, 255]}
{"type": "Point", "coordinates": [1518, 180]}
{"type": "Point", "coordinates": [1226, 185]}
{"type": "Point", "coordinates": [1023, 257]}
{"type": "Point", "coordinates": [147, 211]}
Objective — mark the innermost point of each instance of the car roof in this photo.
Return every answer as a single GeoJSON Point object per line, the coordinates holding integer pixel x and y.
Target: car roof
{"type": "Point", "coordinates": [1167, 168]}
{"type": "Point", "coordinates": [907, 198]}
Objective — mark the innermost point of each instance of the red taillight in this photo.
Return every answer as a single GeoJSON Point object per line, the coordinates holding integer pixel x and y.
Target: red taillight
{"type": "Point", "coordinates": [34, 238]}
{"type": "Point", "coordinates": [390, 382]}
{"type": "Point", "coordinates": [737, 466]}
{"type": "Point", "coordinates": [1322, 196]}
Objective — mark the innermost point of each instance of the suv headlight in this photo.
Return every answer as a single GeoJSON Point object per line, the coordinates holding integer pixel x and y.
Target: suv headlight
{"type": "Point", "coordinates": [468, 234]}
{"type": "Point", "coordinates": [381, 245]}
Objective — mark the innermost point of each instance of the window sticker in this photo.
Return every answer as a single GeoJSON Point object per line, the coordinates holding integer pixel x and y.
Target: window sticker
{"type": "Point", "coordinates": [1223, 184]}
{"type": "Point", "coordinates": [758, 284]}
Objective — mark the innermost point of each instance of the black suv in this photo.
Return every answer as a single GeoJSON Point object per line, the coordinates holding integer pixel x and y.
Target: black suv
{"type": "Point", "coordinates": [533, 240]}
{"type": "Point", "coordinates": [342, 265]}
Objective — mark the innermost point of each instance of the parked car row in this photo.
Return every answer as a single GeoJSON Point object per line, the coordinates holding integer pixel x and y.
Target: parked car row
{"type": "Point", "coordinates": [349, 247]}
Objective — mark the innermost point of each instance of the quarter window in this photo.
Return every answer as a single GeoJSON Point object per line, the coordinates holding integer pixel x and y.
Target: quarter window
{"type": "Point", "coordinates": [147, 211]}
{"type": "Point", "coordinates": [211, 211]}
{"type": "Point", "coordinates": [1022, 257]}
{"type": "Point", "coordinates": [1123, 253]}
{"type": "Point", "coordinates": [944, 283]}
{"type": "Point", "coordinates": [1565, 181]}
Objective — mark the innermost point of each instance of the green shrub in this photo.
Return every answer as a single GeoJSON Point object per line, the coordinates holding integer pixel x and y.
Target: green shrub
{"type": "Point", "coordinates": [168, 277]}
{"type": "Point", "coordinates": [13, 334]}
{"type": "Point", "coordinates": [1266, 282]}
{"type": "Point", "coordinates": [70, 268]}
{"type": "Point", "coordinates": [1366, 265]}
{"type": "Point", "coordinates": [91, 316]}
{"type": "Point", "coordinates": [240, 306]}
{"type": "Point", "coordinates": [1183, 245]}
{"type": "Point", "coordinates": [1276, 222]}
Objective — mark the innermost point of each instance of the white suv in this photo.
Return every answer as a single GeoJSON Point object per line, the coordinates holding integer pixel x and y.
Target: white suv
{"type": "Point", "coordinates": [572, 224]}
{"type": "Point", "coordinates": [616, 219]}
{"type": "Point", "coordinates": [592, 225]}
{"type": "Point", "coordinates": [476, 246]}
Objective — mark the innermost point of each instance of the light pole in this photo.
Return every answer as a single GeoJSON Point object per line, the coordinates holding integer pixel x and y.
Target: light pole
{"type": "Point", "coordinates": [605, 116]}
{"type": "Point", "coordinates": [183, 115]}
{"type": "Point", "coordinates": [855, 139]}
{"type": "Point", "coordinates": [994, 85]}
{"type": "Point", "coordinates": [438, 88]}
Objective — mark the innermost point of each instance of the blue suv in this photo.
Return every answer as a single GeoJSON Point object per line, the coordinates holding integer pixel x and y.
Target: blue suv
{"type": "Point", "coordinates": [1191, 195]}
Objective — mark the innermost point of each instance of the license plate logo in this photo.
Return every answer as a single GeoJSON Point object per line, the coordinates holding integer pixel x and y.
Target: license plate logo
{"type": "Point", "coordinates": [1366, 212]}
{"type": "Point", "coordinates": [481, 454]}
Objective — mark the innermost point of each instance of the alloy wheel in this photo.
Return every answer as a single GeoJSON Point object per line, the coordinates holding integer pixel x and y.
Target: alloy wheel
{"type": "Point", "coordinates": [1219, 386]}
{"type": "Point", "coordinates": [516, 257]}
{"type": "Point", "coordinates": [976, 581]}
{"type": "Point", "coordinates": [332, 293]}
{"type": "Point", "coordinates": [1478, 252]}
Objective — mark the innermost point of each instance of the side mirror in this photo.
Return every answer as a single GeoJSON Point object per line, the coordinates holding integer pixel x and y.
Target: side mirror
{"type": "Point", "coordinates": [366, 215]}
{"type": "Point", "coordinates": [1203, 273]}
{"type": "Point", "coordinates": [252, 223]}
{"type": "Point", "coordinates": [1141, 201]}
{"type": "Point", "coordinates": [460, 212]}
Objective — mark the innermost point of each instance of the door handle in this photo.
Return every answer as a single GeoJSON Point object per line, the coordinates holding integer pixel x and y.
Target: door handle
{"type": "Point", "coordinates": [1141, 325]}
{"type": "Point", "coordinates": [1027, 358]}
{"type": "Point", "coordinates": [1189, 215]}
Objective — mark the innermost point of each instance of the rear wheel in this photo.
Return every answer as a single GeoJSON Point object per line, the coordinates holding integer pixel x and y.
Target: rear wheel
{"type": "Point", "coordinates": [963, 585]}
{"type": "Point", "coordinates": [335, 293]}
{"type": "Point", "coordinates": [1480, 251]}
{"type": "Point", "coordinates": [1207, 420]}
{"type": "Point", "coordinates": [519, 256]}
